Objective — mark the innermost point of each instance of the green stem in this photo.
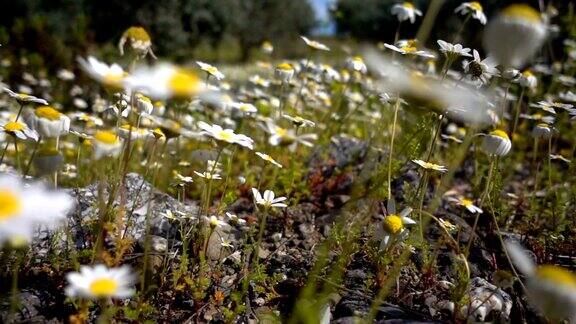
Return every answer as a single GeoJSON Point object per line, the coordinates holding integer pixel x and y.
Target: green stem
{"type": "Point", "coordinates": [396, 106]}
{"type": "Point", "coordinates": [517, 116]}
{"type": "Point", "coordinates": [484, 195]}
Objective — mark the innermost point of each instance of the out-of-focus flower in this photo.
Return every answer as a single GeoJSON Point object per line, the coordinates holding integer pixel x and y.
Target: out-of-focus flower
{"type": "Point", "coordinates": [528, 80]}
{"type": "Point", "coordinates": [430, 166]}
{"type": "Point", "coordinates": [267, 47]}
{"type": "Point", "coordinates": [109, 75]}
{"type": "Point", "coordinates": [164, 81]}
{"type": "Point", "coordinates": [497, 142]}
{"type": "Point", "coordinates": [143, 104]}
{"type": "Point", "coordinates": [138, 39]}
{"type": "Point", "coordinates": [551, 288]}
{"type": "Point", "coordinates": [24, 208]}
{"type": "Point", "coordinates": [466, 203]}
{"type": "Point", "coordinates": [23, 98]}
{"type": "Point", "coordinates": [314, 44]}
{"type": "Point", "coordinates": [225, 135]}
{"type": "Point", "coordinates": [211, 70]}
{"type": "Point", "coordinates": [244, 107]}
{"type": "Point", "coordinates": [288, 137]}
{"type": "Point", "coordinates": [357, 64]}
{"type": "Point", "coordinates": [299, 121]}
{"type": "Point", "coordinates": [98, 281]}
{"type": "Point", "coordinates": [268, 158]}
{"type": "Point", "coordinates": [235, 220]}
{"type": "Point", "coordinates": [408, 47]}
{"type": "Point", "coordinates": [453, 51]}
{"type": "Point", "coordinates": [20, 130]}
{"type": "Point", "coordinates": [65, 75]}
{"type": "Point", "coordinates": [542, 130]}
{"type": "Point", "coordinates": [474, 8]}
{"type": "Point", "coordinates": [515, 35]}
{"type": "Point", "coordinates": [214, 222]}
{"type": "Point", "coordinates": [284, 72]}
{"type": "Point", "coordinates": [406, 11]}
{"type": "Point", "coordinates": [457, 101]}
{"type": "Point", "coordinates": [208, 175]}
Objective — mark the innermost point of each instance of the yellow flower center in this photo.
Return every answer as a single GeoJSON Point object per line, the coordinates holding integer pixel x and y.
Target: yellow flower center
{"type": "Point", "coordinates": [500, 133]}
{"type": "Point", "coordinates": [282, 132]}
{"type": "Point", "coordinates": [527, 74]}
{"type": "Point", "coordinates": [212, 70]}
{"type": "Point", "coordinates": [106, 137]}
{"type": "Point", "coordinates": [393, 224]}
{"type": "Point", "coordinates": [408, 5]}
{"type": "Point", "coordinates": [103, 287]}
{"type": "Point", "coordinates": [183, 83]}
{"type": "Point", "coordinates": [113, 79]}
{"type": "Point", "coordinates": [137, 33]}
{"type": "Point", "coordinates": [475, 5]}
{"type": "Point", "coordinates": [409, 49]}
{"type": "Point", "coordinates": [48, 112]}
{"type": "Point", "coordinates": [557, 275]}
{"type": "Point", "coordinates": [142, 97]}
{"type": "Point", "coordinates": [466, 202]}
{"type": "Point", "coordinates": [226, 135]}
{"type": "Point", "coordinates": [10, 204]}
{"type": "Point", "coordinates": [522, 11]}
{"type": "Point", "coordinates": [13, 126]}
{"type": "Point", "coordinates": [285, 67]}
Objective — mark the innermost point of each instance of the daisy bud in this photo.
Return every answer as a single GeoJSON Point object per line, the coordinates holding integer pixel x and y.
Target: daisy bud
{"type": "Point", "coordinates": [138, 40]}
{"type": "Point", "coordinates": [49, 122]}
{"type": "Point", "coordinates": [106, 143]}
{"type": "Point", "coordinates": [284, 72]}
{"type": "Point", "coordinates": [497, 143]}
{"type": "Point", "coordinates": [143, 104]}
{"type": "Point", "coordinates": [542, 130]}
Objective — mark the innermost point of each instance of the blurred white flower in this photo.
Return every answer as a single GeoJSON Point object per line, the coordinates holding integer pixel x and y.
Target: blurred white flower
{"type": "Point", "coordinates": [515, 35]}
{"type": "Point", "coordinates": [24, 207]}
{"type": "Point", "coordinates": [474, 8]}
{"type": "Point", "coordinates": [406, 11]}
{"type": "Point", "coordinates": [99, 281]}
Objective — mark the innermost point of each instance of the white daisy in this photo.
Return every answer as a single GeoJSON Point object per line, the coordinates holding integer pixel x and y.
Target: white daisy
{"type": "Point", "coordinates": [480, 69]}
{"type": "Point", "coordinates": [49, 122]}
{"type": "Point", "coordinates": [453, 51]}
{"type": "Point", "coordinates": [268, 199]}
{"type": "Point", "coordinates": [225, 135]}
